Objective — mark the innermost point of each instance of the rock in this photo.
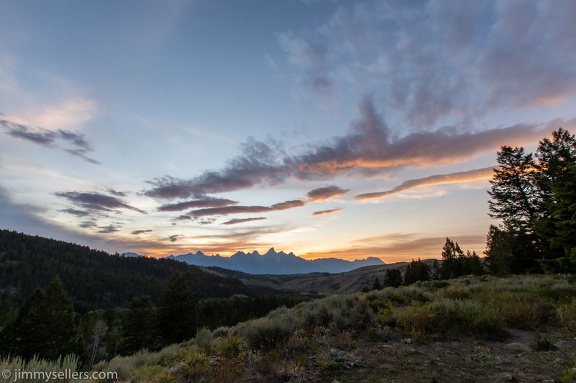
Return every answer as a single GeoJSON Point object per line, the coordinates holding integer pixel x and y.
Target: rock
{"type": "Point", "coordinates": [561, 362]}
{"type": "Point", "coordinates": [516, 346]}
{"type": "Point", "coordinates": [509, 378]}
{"type": "Point", "coordinates": [215, 360]}
{"type": "Point", "coordinates": [335, 352]}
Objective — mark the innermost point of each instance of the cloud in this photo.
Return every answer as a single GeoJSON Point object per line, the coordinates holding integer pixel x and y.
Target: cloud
{"type": "Point", "coordinates": [258, 164]}
{"type": "Point", "coordinates": [440, 179]}
{"type": "Point", "coordinates": [96, 201]}
{"type": "Point", "coordinates": [50, 138]}
{"type": "Point", "coordinates": [206, 202]}
{"type": "Point", "coordinates": [242, 220]}
{"type": "Point", "coordinates": [325, 193]}
{"type": "Point", "coordinates": [28, 219]}
{"type": "Point", "coordinates": [370, 147]}
{"type": "Point", "coordinates": [76, 212]}
{"type": "Point", "coordinates": [226, 210]}
{"type": "Point", "coordinates": [88, 224]}
{"type": "Point", "coordinates": [138, 232]}
{"type": "Point", "coordinates": [108, 229]}
{"type": "Point", "coordinates": [324, 212]}
{"type": "Point", "coordinates": [432, 61]}
{"type": "Point", "coordinates": [117, 193]}
{"type": "Point", "coordinates": [287, 205]}
{"type": "Point", "coordinates": [174, 238]}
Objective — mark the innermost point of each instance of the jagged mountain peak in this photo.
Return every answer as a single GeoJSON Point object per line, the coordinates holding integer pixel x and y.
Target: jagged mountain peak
{"type": "Point", "coordinates": [273, 262]}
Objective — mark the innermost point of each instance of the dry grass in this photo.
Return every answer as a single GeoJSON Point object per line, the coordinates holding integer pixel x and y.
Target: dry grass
{"type": "Point", "coordinates": [480, 329]}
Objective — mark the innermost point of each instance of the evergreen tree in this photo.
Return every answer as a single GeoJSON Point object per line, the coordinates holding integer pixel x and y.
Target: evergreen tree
{"type": "Point", "coordinates": [452, 259]}
{"type": "Point", "coordinates": [557, 179]}
{"type": "Point", "coordinates": [473, 264]}
{"type": "Point", "coordinates": [499, 254]}
{"type": "Point", "coordinates": [138, 325]}
{"type": "Point", "coordinates": [416, 271]}
{"type": "Point", "coordinates": [179, 314]}
{"type": "Point", "coordinates": [376, 285]}
{"type": "Point", "coordinates": [435, 270]}
{"type": "Point", "coordinates": [44, 326]}
{"type": "Point", "coordinates": [515, 193]}
{"type": "Point", "coordinates": [393, 278]}
{"type": "Point", "coordinates": [534, 199]}
{"type": "Point", "coordinates": [60, 317]}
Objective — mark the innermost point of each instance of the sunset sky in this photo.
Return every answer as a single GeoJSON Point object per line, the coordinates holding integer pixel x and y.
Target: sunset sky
{"type": "Point", "coordinates": [327, 128]}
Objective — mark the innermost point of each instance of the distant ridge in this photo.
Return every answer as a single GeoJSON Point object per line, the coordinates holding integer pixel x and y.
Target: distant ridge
{"type": "Point", "coordinates": [273, 262]}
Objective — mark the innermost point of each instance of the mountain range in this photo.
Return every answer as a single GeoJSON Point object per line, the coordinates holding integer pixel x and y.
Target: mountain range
{"type": "Point", "coordinates": [273, 262]}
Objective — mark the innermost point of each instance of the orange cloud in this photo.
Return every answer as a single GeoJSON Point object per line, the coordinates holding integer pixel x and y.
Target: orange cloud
{"type": "Point", "coordinates": [440, 179]}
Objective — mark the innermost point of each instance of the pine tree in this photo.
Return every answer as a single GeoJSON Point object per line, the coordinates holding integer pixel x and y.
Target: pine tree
{"type": "Point", "coordinates": [138, 325]}
{"type": "Point", "coordinates": [533, 199]}
{"type": "Point", "coordinates": [515, 193]}
{"type": "Point", "coordinates": [376, 285]}
{"type": "Point", "coordinates": [393, 278]}
{"type": "Point", "coordinates": [416, 271]}
{"type": "Point", "coordinates": [44, 326]}
{"type": "Point", "coordinates": [452, 259]}
{"type": "Point", "coordinates": [179, 314]}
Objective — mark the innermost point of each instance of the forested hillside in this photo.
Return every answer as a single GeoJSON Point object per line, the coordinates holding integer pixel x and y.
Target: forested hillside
{"type": "Point", "coordinates": [59, 298]}
{"type": "Point", "coordinates": [93, 279]}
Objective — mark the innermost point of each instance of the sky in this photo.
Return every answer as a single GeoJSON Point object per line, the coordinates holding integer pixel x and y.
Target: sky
{"type": "Point", "coordinates": [326, 128]}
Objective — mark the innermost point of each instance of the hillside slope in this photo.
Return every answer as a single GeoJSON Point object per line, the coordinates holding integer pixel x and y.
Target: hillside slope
{"type": "Point", "coordinates": [472, 329]}
{"type": "Point", "coordinates": [94, 279]}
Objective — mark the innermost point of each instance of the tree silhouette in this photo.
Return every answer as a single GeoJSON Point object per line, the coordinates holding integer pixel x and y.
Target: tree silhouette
{"type": "Point", "coordinates": [534, 198]}
{"type": "Point", "coordinates": [179, 314]}
{"type": "Point", "coordinates": [393, 278]}
{"type": "Point", "coordinates": [44, 326]}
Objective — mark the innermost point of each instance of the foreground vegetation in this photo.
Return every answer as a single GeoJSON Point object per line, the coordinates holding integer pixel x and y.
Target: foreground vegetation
{"type": "Point", "coordinates": [470, 329]}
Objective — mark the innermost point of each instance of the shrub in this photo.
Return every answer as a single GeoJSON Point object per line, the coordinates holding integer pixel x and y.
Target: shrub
{"type": "Point", "coordinates": [125, 365]}
{"type": "Point", "coordinates": [268, 332]}
{"type": "Point", "coordinates": [541, 343]}
{"type": "Point", "coordinates": [567, 316]}
{"type": "Point", "coordinates": [449, 318]}
{"type": "Point", "coordinates": [230, 347]}
{"type": "Point", "coordinates": [203, 339]}
{"type": "Point", "coordinates": [522, 310]}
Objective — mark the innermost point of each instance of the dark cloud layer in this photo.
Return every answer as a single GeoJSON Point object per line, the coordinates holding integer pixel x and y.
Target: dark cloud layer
{"type": "Point", "coordinates": [324, 193]}
{"type": "Point", "coordinates": [206, 202]}
{"type": "Point", "coordinates": [28, 219]}
{"type": "Point", "coordinates": [108, 229]}
{"type": "Point", "coordinates": [50, 138]}
{"type": "Point", "coordinates": [258, 164]}
{"type": "Point", "coordinates": [226, 210]}
{"type": "Point", "coordinates": [138, 232]}
{"type": "Point", "coordinates": [76, 212]}
{"type": "Point", "coordinates": [242, 220]}
{"type": "Point", "coordinates": [96, 201]}
{"type": "Point", "coordinates": [369, 147]}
